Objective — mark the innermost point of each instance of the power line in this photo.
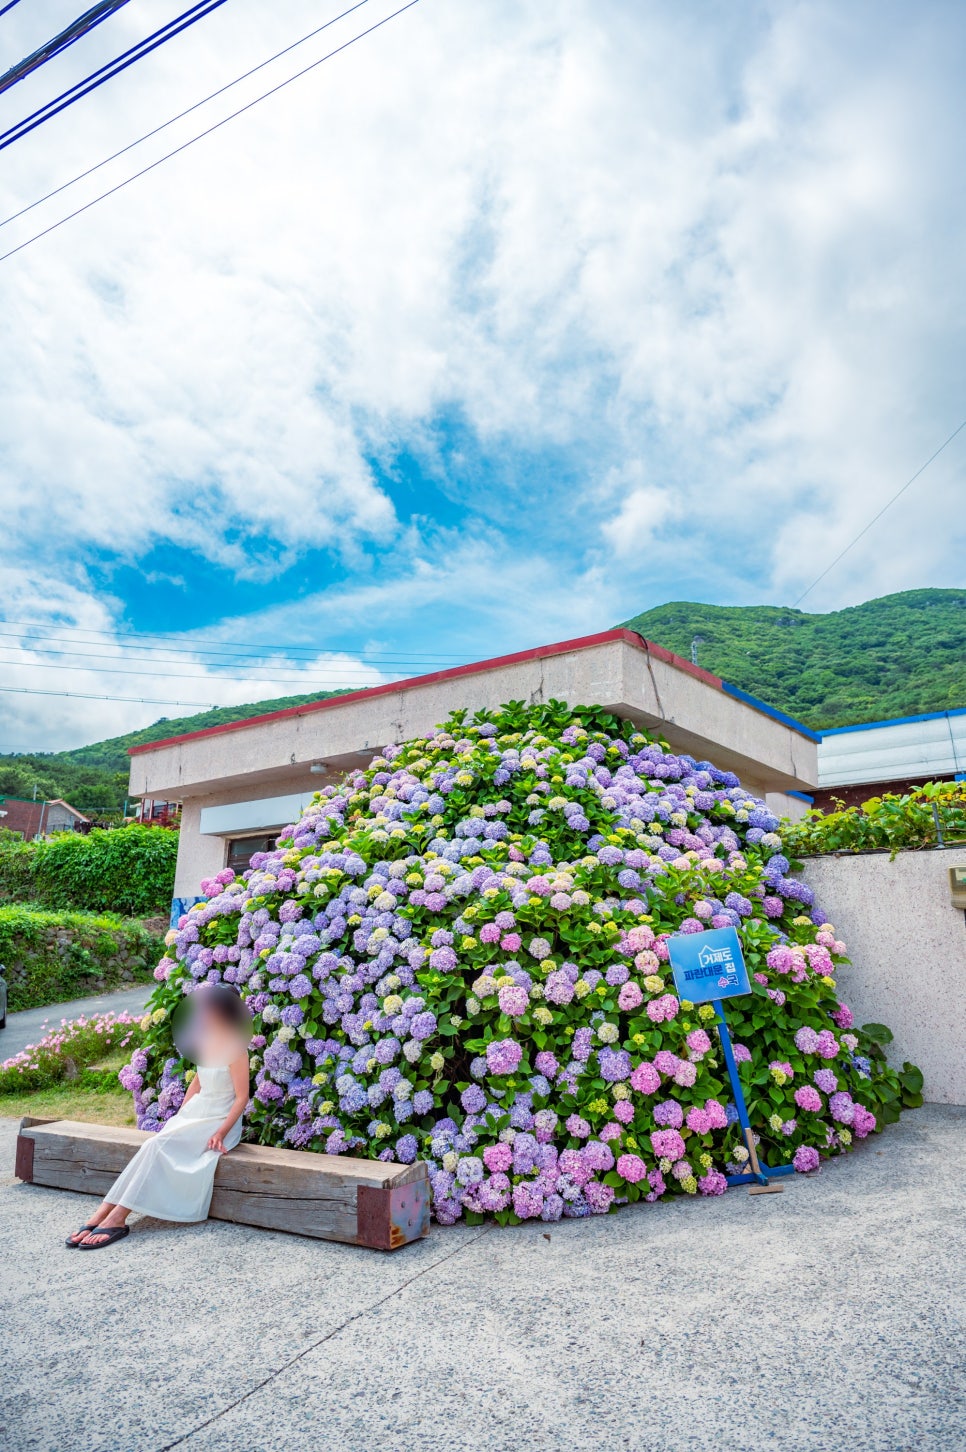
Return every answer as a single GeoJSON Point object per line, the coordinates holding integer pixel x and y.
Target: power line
{"type": "Point", "coordinates": [68, 36]}
{"type": "Point", "coordinates": [83, 696]}
{"type": "Point", "coordinates": [107, 71]}
{"type": "Point", "coordinates": [330, 661]}
{"type": "Point", "coordinates": [208, 132]}
{"type": "Point", "coordinates": [254, 679]}
{"type": "Point", "coordinates": [315, 667]}
{"type": "Point", "coordinates": [181, 114]}
{"type": "Point", "coordinates": [875, 518]}
{"type": "Point", "coordinates": [9, 6]}
{"type": "Point", "coordinates": [246, 649]}
{"type": "Point", "coordinates": [245, 645]}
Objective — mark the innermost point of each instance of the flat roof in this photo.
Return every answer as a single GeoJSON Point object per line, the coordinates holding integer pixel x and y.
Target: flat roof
{"type": "Point", "coordinates": [542, 652]}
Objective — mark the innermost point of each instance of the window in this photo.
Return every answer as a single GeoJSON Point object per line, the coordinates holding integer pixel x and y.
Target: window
{"type": "Point", "coordinates": [242, 849]}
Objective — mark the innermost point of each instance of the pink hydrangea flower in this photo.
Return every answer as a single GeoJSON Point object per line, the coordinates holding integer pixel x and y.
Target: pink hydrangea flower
{"type": "Point", "coordinates": [713, 1183]}
{"type": "Point", "coordinates": [646, 1079]}
{"type": "Point", "coordinates": [514, 1001]}
{"type": "Point", "coordinates": [808, 1098]}
{"type": "Point", "coordinates": [630, 997]}
{"type": "Point", "coordinates": [698, 1042]}
{"type": "Point", "coordinates": [665, 1062]}
{"type": "Point", "coordinates": [632, 1168]}
{"type": "Point", "coordinates": [827, 1044]}
{"type": "Point", "coordinates": [806, 1159]}
{"type": "Point", "coordinates": [624, 1111]}
{"type": "Point", "coordinates": [498, 1157]}
{"type": "Point", "coordinates": [717, 1115]}
{"type": "Point", "coordinates": [667, 1144]}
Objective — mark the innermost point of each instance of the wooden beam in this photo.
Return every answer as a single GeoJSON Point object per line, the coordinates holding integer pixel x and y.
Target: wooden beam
{"type": "Point", "coordinates": [331, 1197]}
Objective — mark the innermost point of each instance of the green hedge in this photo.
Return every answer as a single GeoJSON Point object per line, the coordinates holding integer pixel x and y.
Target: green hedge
{"type": "Point", "coordinates": [128, 871]}
{"type": "Point", "coordinates": [930, 816]}
{"type": "Point", "coordinates": [52, 957]}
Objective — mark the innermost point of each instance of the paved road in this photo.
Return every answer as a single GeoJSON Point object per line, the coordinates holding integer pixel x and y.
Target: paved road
{"type": "Point", "coordinates": [31, 1024]}
{"type": "Point", "coordinates": [824, 1319]}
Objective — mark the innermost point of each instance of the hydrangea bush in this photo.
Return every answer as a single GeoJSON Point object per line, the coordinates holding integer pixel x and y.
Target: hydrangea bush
{"type": "Point", "coordinates": [460, 954]}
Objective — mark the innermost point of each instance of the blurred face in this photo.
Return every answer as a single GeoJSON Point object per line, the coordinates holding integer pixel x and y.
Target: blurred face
{"type": "Point", "coordinates": [203, 1033]}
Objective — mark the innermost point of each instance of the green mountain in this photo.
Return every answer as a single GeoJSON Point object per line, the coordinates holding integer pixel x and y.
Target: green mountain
{"type": "Point", "coordinates": [94, 778]}
{"type": "Point", "coordinates": [901, 655]}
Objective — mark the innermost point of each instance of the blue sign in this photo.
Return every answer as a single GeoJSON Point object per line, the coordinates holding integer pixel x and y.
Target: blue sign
{"type": "Point", "coordinates": [180, 906]}
{"type": "Point", "coordinates": [708, 965]}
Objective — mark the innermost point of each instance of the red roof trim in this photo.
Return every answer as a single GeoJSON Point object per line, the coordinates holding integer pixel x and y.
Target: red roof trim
{"type": "Point", "coordinates": [540, 652]}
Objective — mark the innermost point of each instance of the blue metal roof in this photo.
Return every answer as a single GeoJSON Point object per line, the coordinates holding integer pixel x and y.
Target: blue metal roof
{"type": "Point", "coordinates": [893, 721]}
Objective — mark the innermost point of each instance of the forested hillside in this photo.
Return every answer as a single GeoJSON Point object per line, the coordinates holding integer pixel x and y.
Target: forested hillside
{"type": "Point", "coordinates": [94, 778]}
{"type": "Point", "coordinates": [896, 656]}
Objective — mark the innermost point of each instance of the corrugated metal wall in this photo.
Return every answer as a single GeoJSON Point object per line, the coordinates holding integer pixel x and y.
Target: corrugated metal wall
{"type": "Point", "coordinates": [919, 746]}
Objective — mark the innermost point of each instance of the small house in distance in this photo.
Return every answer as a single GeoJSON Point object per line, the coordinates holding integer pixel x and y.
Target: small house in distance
{"type": "Point", "coordinates": [40, 819]}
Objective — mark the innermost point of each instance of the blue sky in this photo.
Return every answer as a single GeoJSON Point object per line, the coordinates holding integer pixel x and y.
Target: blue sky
{"type": "Point", "coordinates": [509, 322]}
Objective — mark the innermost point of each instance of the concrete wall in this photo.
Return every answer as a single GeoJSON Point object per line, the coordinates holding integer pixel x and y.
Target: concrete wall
{"type": "Point", "coordinates": [908, 949]}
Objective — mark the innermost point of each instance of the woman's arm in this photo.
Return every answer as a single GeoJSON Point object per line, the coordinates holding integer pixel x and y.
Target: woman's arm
{"type": "Point", "coordinates": [240, 1078]}
{"type": "Point", "coordinates": [191, 1090]}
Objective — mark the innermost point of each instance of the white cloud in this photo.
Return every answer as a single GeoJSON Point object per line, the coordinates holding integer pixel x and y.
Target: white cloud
{"type": "Point", "coordinates": [711, 254]}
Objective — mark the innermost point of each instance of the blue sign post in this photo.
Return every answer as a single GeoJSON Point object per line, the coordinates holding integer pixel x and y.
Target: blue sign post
{"type": "Point", "coordinates": [709, 967]}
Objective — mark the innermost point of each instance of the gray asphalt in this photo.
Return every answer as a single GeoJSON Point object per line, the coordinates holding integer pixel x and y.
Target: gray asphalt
{"type": "Point", "coordinates": [824, 1318]}
{"type": "Point", "coordinates": [31, 1024]}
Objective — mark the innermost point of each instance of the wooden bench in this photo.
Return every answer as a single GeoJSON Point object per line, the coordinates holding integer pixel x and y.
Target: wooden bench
{"type": "Point", "coordinates": [332, 1197]}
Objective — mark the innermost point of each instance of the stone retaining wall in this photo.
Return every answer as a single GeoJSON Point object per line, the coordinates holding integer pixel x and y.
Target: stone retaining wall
{"type": "Point", "coordinates": [50, 958]}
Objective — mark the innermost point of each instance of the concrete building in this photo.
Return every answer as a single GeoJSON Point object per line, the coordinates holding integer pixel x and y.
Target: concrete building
{"type": "Point", "coordinates": [858, 762]}
{"type": "Point", "coordinates": [240, 783]}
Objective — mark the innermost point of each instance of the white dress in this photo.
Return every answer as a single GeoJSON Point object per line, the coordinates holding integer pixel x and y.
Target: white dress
{"type": "Point", "coordinates": [172, 1175]}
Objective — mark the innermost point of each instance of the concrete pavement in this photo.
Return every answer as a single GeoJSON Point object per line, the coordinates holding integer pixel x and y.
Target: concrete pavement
{"type": "Point", "coordinates": [30, 1024]}
{"type": "Point", "coordinates": [825, 1318]}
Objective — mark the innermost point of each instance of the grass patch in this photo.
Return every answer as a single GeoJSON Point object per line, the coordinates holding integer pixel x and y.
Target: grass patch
{"type": "Point", "coordinates": [66, 1101]}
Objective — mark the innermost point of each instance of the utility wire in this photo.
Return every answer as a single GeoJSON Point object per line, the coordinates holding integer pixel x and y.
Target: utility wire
{"type": "Point", "coordinates": [875, 518]}
{"type": "Point", "coordinates": [181, 114]}
{"type": "Point", "coordinates": [256, 678]}
{"type": "Point", "coordinates": [8, 6]}
{"type": "Point", "coordinates": [323, 664]}
{"type": "Point", "coordinates": [247, 647]}
{"type": "Point", "coordinates": [208, 131]}
{"type": "Point", "coordinates": [83, 696]}
{"type": "Point", "coordinates": [69, 36]}
{"type": "Point", "coordinates": [108, 71]}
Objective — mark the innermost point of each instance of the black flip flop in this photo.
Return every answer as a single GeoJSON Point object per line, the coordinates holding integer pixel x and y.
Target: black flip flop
{"type": "Point", "coordinates": [71, 1243]}
{"type": "Point", "coordinates": [110, 1232]}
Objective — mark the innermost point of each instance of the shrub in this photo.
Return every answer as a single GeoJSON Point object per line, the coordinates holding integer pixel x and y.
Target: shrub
{"type": "Point", "coordinates": [129, 871]}
{"type": "Point", "coordinates": [927, 817]}
{"type": "Point", "coordinates": [65, 1053]}
{"type": "Point", "coordinates": [52, 957]}
{"type": "Point", "coordinates": [461, 954]}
